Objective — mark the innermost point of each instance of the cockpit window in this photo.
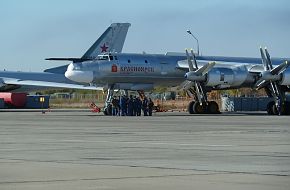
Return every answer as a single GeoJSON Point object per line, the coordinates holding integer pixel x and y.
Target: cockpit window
{"type": "Point", "coordinates": [106, 57]}
{"type": "Point", "coordinates": [103, 57]}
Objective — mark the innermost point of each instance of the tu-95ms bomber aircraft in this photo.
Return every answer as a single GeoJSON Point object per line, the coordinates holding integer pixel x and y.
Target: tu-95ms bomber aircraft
{"type": "Point", "coordinates": [196, 74]}
{"type": "Point", "coordinates": [112, 40]}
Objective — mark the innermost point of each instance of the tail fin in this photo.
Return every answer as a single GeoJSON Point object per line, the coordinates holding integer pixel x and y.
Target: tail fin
{"type": "Point", "coordinates": [112, 40]}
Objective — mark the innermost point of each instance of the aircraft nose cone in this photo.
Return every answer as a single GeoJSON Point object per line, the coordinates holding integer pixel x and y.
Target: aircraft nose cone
{"type": "Point", "coordinates": [78, 75]}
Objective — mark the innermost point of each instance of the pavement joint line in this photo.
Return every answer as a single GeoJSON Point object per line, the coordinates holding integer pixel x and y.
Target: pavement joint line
{"type": "Point", "coordinates": [153, 143]}
{"type": "Point", "coordinates": [106, 178]}
{"type": "Point", "coordinates": [267, 173]}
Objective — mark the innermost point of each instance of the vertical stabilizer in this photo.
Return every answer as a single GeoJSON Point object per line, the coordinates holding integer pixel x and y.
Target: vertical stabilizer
{"type": "Point", "coordinates": [112, 40]}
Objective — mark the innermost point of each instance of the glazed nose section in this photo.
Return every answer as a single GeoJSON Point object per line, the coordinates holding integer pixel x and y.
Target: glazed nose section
{"type": "Point", "coordinates": [75, 73]}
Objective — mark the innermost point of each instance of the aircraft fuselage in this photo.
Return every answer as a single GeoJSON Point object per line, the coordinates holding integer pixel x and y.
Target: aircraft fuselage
{"type": "Point", "coordinates": [145, 71]}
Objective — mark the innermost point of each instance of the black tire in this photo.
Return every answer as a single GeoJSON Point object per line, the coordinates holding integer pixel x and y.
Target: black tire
{"type": "Point", "coordinates": [213, 107]}
{"type": "Point", "coordinates": [190, 107]}
{"type": "Point", "coordinates": [105, 112]}
{"type": "Point", "coordinates": [286, 108]}
{"type": "Point", "coordinates": [270, 108]}
{"type": "Point", "coordinates": [199, 109]}
{"type": "Point", "coordinates": [275, 110]}
{"type": "Point", "coordinates": [108, 110]}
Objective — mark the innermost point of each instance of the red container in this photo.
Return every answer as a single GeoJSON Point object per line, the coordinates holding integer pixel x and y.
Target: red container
{"type": "Point", "coordinates": [17, 100]}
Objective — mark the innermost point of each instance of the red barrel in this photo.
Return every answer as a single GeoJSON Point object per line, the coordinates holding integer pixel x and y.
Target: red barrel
{"type": "Point", "coordinates": [17, 100]}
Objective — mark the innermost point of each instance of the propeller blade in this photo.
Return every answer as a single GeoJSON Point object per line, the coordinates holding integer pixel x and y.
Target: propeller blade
{"type": "Point", "coordinates": [185, 85]}
{"type": "Point", "coordinates": [197, 89]}
{"type": "Point", "coordinates": [190, 65]}
{"type": "Point", "coordinates": [194, 59]}
{"type": "Point", "coordinates": [260, 84]}
{"type": "Point", "coordinates": [205, 69]}
{"type": "Point", "coordinates": [280, 68]}
{"type": "Point", "coordinates": [274, 89]}
{"type": "Point", "coordinates": [268, 59]}
{"type": "Point", "coordinates": [264, 60]}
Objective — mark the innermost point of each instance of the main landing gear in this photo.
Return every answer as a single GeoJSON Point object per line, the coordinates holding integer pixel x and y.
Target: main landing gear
{"type": "Point", "coordinates": [270, 81]}
{"type": "Point", "coordinates": [194, 86]}
{"type": "Point", "coordinates": [272, 109]}
{"type": "Point", "coordinates": [201, 105]}
{"type": "Point", "coordinates": [210, 107]}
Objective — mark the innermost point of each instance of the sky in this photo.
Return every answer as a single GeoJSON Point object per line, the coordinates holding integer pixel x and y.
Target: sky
{"type": "Point", "coordinates": [33, 30]}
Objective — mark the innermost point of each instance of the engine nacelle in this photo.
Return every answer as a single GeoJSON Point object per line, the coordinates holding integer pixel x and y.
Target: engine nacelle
{"type": "Point", "coordinates": [285, 78]}
{"type": "Point", "coordinates": [227, 77]}
{"type": "Point", "coordinates": [193, 77]}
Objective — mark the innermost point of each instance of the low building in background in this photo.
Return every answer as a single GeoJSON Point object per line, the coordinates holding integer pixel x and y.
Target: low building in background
{"type": "Point", "coordinates": [245, 103]}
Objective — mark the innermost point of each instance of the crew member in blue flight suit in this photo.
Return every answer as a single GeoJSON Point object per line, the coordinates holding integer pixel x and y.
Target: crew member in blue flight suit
{"type": "Point", "coordinates": [145, 106]}
{"type": "Point", "coordinates": [150, 106]}
{"type": "Point", "coordinates": [115, 106]}
{"type": "Point", "coordinates": [138, 106]}
{"type": "Point", "coordinates": [124, 105]}
{"type": "Point", "coordinates": [130, 106]}
{"type": "Point", "coordinates": [134, 106]}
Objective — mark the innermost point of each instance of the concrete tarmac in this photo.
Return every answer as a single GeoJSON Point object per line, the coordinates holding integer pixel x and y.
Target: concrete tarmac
{"type": "Point", "coordinates": [83, 150]}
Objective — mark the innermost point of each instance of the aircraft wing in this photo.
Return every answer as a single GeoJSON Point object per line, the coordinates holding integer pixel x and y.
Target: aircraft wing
{"type": "Point", "coordinates": [182, 65]}
{"type": "Point", "coordinates": [14, 81]}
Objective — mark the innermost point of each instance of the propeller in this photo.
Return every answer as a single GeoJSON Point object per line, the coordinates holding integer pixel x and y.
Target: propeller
{"type": "Point", "coordinates": [270, 74]}
{"type": "Point", "coordinates": [196, 75]}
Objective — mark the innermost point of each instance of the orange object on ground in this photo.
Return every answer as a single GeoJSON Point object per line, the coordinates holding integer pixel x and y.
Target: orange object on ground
{"type": "Point", "coordinates": [95, 108]}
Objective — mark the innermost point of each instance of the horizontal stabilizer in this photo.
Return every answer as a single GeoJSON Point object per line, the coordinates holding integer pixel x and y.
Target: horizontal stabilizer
{"type": "Point", "coordinates": [68, 59]}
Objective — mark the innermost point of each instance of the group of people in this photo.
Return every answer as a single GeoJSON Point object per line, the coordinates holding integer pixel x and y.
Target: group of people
{"type": "Point", "coordinates": [131, 106]}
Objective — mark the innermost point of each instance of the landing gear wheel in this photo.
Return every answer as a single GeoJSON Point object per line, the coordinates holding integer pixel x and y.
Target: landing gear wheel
{"type": "Point", "coordinates": [199, 109]}
{"type": "Point", "coordinates": [270, 108]}
{"type": "Point", "coordinates": [190, 107]}
{"type": "Point", "coordinates": [213, 107]}
{"type": "Point", "coordinates": [275, 110]}
{"type": "Point", "coordinates": [108, 110]}
{"type": "Point", "coordinates": [287, 108]}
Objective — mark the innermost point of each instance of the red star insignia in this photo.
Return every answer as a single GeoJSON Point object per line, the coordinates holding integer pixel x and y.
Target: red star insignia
{"type": "Point", "coordinates": [104, 48]}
